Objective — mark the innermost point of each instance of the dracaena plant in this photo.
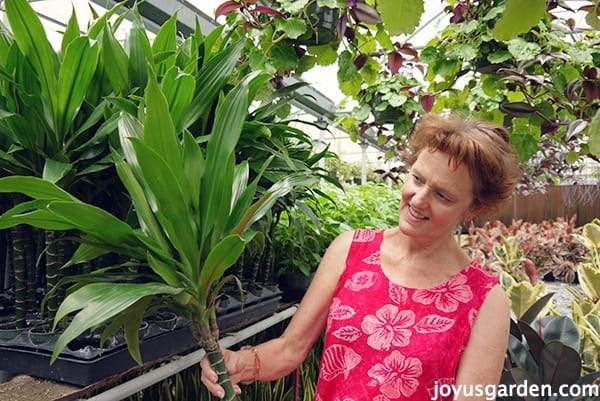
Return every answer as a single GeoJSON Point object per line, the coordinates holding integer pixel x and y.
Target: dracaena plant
{"type": "Point", "coordinates": [53, 119]}
{"type": "Point", "coordinates": [193, 205]}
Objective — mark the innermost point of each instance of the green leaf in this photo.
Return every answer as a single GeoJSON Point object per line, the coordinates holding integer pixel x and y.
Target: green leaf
{"type": "Point", "coordinates": [522, 50]}
{"type": "Point", "coordinates": [400, 16]}
{"type": "Point", "coordinates": [594, 135]}
{"type": "Point", "coordinates": [85, 253]}
{"type": "Point", "coordinates": [178, 89]}
{"type": "Point", "coordinates": [75, 74]}
{"type": "Point", "coordinates": [293, 27]}
{"type": "Point", "coordinates": [213, 75]}
{"type": "Point", "coordinates": [131, 327]}
{"type": "Point", "coordinates": [140, 53]}
{"type": "Point", "coordinates": [193, 168]}
{"type": "Point", "coordinates": [54, 170]}
{"type": "Point", "coordinates": [98, 302]}
{"type": "Point", "coordinates": [72, 32]}
{"type": "Point", "coordinates": [593, 16]}
{"type": "Point", "coordinates": [34, 187]}
{"type": "Point", "coordinates": [30, 35]}
{"type": "Point", "coordinates": [146, 218]}
{"type": "Point", "coordinates": [33, 213]}
{"type": "Point", "coordinates": [222, 256]}
{"type": "Point", "coordinates": [116, 61]}
{"type": "Point", "coordinates": [166, 42]}
{"type": "Point", "coordinates": [525, 144]}
{"type": "Point", "coordinates": [172, 207]}
{"type": "Point", "coordinates": [166, 272]}
{"type": "Point", "coordinates": [229, 119]}
{"type": "Point", "coordinates": [519, 17]}
{"type": "Point", "coordinates": [159, 131]}
{"type": "Point", "coordinates": [96, 222]}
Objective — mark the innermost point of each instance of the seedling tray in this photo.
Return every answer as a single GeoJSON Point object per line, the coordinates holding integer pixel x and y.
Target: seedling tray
{"type": "Point", "coordinates": [89, 364]}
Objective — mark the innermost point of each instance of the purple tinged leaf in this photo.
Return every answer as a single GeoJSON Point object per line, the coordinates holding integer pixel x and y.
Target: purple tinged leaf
{"type": "Point", "coordinates": [366, 14]}
{"type": "Point", "coordinates": [395, 61]}
{"type": "Point", "coordinates": [226, 8]}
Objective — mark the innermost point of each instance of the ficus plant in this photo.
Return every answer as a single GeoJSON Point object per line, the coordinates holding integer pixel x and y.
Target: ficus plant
{"type": "Point", "coordinates": [544, 351]}
{"type": "Point", "coordinates": [193, 206]}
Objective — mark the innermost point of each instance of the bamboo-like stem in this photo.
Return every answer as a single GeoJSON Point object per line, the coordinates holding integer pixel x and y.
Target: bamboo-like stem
{"type": "Point", "coordinates": [207, 337]}
{"type": "Point", "coordinates": [32, 251]}
{"type": "Point", "coordinates": [20, 274]}
{"type": "Point", "coordinates": [54, 260]}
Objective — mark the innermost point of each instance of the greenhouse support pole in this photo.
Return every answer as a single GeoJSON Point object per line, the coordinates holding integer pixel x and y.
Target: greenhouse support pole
{"type": "Point", "coordinates": [177, 365]}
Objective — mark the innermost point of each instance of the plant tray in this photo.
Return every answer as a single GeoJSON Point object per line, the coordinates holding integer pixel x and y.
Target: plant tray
{"type": "Point", "coordinates": [90, 365]}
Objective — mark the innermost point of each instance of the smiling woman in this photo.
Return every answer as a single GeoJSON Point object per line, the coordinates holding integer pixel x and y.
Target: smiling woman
{"type": "Point", "coordinates": [405, 308]}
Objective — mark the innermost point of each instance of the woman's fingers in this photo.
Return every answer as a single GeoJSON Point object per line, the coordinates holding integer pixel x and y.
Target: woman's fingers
{"type": "Point", "coordinates": [209, 378]}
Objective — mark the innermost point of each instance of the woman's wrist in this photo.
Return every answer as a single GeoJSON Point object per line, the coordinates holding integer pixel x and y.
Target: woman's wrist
{"type": "Point", "coordinates": [253, 364]}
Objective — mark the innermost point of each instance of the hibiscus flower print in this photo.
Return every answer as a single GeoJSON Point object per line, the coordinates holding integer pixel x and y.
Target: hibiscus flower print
{"type": "Point", "coordinates": [447, 296]}
{"type": "Point", "coordinates": [397, 375]}
{"type": "Point", "coordinates": [387, 327]}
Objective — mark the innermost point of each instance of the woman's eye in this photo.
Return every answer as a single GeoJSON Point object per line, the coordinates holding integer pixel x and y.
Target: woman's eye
{"type": "Point", "coordinates": [443, 197]}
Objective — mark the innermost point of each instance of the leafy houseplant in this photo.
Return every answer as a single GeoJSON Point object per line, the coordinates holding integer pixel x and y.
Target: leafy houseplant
{"type": "Point", "coordinates": [390, 104]}
{"type": "Point", "coordinates": [52, 119]}
{"type": "Point", "coordinates": [586, 307]}
{"type": "Point", "coordinates": [544, 351]}
{"type": "Point", "coordinates": [176, 159]}
{"type": "Point", "coordinates": [289, 38]}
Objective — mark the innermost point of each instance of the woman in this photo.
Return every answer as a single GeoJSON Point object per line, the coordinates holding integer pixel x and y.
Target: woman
{"type": "Point", "coordinates": [406, 313]}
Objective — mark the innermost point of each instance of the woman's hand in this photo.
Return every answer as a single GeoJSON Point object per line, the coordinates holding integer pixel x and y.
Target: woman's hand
{"type": "Point", "coordinates": [235, 365]}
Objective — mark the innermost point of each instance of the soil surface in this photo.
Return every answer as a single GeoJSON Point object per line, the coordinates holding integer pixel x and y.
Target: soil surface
{"type": "Point", "coordinates": [27, 388]}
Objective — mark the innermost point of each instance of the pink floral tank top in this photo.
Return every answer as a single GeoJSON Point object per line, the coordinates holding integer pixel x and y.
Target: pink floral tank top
{"type": "Point", "coordinates": [387, 342]}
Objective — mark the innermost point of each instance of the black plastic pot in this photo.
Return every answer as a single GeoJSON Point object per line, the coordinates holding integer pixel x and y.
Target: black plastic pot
{"type": "Point", "coordinates": [322, 25]}
{"type": "Point", "coordinates": [293, 285]}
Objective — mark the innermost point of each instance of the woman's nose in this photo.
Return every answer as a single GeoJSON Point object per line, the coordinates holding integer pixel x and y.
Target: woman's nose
{"type": "Point", "coordinates": [420, 196]}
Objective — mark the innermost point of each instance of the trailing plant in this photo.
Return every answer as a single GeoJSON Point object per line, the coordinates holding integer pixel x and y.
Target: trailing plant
{"type": "Point", "coordinates": [525, 65]}
{"type": "Point", "coordinates": [289, 38]}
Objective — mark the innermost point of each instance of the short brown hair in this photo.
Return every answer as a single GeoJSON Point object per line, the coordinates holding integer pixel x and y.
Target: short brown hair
{"type": "Point", "coordinates": [483, 147]}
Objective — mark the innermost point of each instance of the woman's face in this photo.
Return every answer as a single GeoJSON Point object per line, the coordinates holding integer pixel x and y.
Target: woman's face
{"type": "Point", "coordinates": [436, 197]}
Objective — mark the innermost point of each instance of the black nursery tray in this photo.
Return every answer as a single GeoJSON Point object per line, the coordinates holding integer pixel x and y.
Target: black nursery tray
{"type": "Point", "coordinates": [89, 364]}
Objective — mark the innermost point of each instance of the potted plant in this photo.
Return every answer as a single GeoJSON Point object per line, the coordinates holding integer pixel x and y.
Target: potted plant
{"type": "Point", "coordinates": [289, 38]}
{"type": "Point", "coordinates": [179, 236]}
{"type": "Point", "coordinates": [387, 109]}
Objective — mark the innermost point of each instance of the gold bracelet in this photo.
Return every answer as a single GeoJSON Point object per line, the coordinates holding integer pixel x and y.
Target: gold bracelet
{"type": "Point", "coordinates": [256, 372]}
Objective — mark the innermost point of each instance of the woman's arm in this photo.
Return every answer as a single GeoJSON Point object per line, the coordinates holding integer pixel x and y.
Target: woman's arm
{"type": "Point", "coordinates": [280, 356]}
{"type": "Point", "coordinates": [482, 361]}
